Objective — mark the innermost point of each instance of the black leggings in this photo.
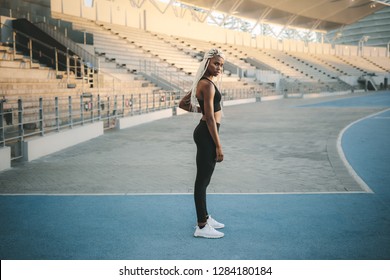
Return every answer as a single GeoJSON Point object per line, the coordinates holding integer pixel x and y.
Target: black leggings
{"type": "Point", "coordinates": [205, 164]}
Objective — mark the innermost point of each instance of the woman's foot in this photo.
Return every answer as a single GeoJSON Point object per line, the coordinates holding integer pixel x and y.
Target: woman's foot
{"type": "Point", "coordinates": [214, 223]}
{"type": "Point", "coordinates": [207, 232]}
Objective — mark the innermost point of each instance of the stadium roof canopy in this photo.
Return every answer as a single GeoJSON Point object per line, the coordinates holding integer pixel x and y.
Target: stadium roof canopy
{"type": "Point", "coordinates": [319, 15]}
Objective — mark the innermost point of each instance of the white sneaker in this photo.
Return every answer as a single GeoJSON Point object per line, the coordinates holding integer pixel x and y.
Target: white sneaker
{"type": "Point", "coordinates": [214, 223]}
{"type": "Point", "coordinates": [207, 232]}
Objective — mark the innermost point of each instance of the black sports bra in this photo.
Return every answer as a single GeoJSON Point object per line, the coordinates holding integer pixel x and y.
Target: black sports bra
{"type": "Point", "coordinates": [217, 98]}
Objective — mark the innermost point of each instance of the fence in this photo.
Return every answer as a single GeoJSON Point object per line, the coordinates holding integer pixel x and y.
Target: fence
{"type": "Point", "coordinates": [38, 50]}
{"type": "Point", "coordinates": [63, 62]}
{"type": "Point", "coordinates": [87, 57]}
{"type": "Point", "coordinates": [32, 117]}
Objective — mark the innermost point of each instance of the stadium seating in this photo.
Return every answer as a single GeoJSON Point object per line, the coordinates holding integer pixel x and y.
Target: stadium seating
{"type": "Point", "coordinates": [21, 77]}
{"type": "Point", "coordinates": [142, 62]}
{"type": "Point", "coordinates": [154, 54]}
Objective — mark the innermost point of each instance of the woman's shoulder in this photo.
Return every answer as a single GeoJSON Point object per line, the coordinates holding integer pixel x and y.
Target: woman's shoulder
{"type": "Point", "coordinates": [206, 84]}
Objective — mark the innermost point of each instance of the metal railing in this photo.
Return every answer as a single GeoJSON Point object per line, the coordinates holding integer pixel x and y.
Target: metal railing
{"type": "Point", "coordinates": [61, 61]}
{"type": "Point", "coordinates": [30, 117]}
{"type": "Point", "coordinates": [164, 76]}
{"type": "Point", "coordinates": [33, 117]}
{"type": "Point", "coordinates": [291, 86]}
{"type": "Point", "coordinates": [88, 58]}
{"type": "Point", "coordinates": [31, 46]}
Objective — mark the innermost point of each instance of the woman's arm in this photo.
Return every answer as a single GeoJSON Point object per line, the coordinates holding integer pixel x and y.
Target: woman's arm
{"type": "Point", "coordinates": [185, 104]}
{"type": "Point", "coordinates": [208, 91]}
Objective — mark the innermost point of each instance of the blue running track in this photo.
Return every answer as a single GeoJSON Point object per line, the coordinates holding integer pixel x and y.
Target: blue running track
{"type": "Point", "coordinates": [270, 226]}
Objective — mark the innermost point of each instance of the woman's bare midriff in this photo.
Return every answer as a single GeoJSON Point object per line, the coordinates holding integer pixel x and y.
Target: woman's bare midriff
{"type": "Point", "coordinates": [217, 117]}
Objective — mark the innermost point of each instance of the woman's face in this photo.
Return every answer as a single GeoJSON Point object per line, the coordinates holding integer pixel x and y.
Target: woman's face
{"type": "Point", "coordinates": [215, 66]}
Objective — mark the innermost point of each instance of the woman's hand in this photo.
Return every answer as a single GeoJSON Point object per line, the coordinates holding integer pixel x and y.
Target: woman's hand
{"type": "Point", "coordinates": [219, 157]}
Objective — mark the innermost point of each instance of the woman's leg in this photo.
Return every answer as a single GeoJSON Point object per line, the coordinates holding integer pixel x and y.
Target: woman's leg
{"type": "Point", "coordinates": [205, 162]}
{"type": "Point", "coordinates": [205, 170]}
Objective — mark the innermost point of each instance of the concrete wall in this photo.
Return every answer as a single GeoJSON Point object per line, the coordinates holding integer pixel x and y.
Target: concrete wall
{"type": "Point", "coordinates": [351, 80]}
{"type": "Point", "coordinates": [238, 102]}
{"type": "Point", "coordinates": [5, 158]}
{"type": "Point", "coordinates": [41, 146]}
{"type": "Point", "coordinates": [141, 119]}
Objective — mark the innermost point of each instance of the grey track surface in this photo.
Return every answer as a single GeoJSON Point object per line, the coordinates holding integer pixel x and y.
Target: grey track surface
{"type": "Point", "coordinates": [270, 147]}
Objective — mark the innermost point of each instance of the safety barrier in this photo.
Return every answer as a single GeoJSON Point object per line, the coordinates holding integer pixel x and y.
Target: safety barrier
{"type": "Point", "coordinates": [23, 119]}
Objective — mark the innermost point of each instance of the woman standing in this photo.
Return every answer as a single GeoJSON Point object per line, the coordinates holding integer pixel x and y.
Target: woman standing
{"type": "Point", "coordinates": [209, 148]}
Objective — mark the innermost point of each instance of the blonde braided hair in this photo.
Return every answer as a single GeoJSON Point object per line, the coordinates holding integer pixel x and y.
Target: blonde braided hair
{"type": "Point", "coordinates": [201, 70]}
